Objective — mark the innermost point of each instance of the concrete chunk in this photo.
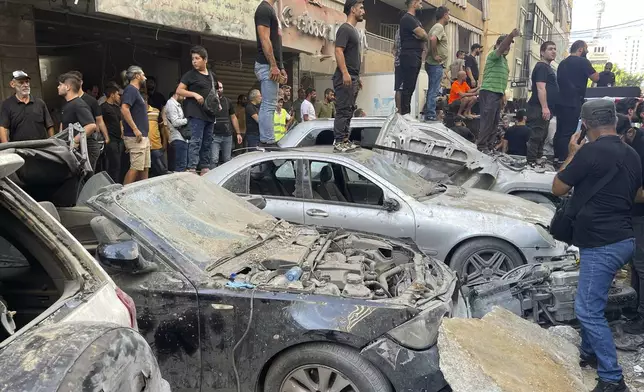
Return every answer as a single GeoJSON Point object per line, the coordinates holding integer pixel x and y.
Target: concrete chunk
{"type": "Point", "coordinates": [504, 353]}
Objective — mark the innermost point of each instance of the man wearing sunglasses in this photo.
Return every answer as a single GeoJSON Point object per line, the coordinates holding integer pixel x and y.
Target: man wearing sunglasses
{"type": "Point", "coordinates": [23, 117]}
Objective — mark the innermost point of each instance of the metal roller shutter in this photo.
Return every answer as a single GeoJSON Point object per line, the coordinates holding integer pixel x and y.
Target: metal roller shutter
{"type": "Point", "coordinates": [236, 80]}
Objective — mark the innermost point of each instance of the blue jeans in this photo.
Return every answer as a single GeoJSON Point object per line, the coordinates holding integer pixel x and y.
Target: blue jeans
{"type": "Point", "coordinates": [597, 271]}
{"type": "Point", "coordinates": [269, 101]}
{"type": "Point", "coordinates": [180, 155]}
{"type": "Point", "coordinates": [223, 144]}
{"type": "Point", "coordinates": [200, 143]}
{"type": "Point", "coordinates": [252, 141]}
{"type": "Point", "coordinates": [434, 76]}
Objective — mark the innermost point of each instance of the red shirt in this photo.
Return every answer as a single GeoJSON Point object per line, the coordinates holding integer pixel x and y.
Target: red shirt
{"type": "Point", "coordinates": [457, 88]}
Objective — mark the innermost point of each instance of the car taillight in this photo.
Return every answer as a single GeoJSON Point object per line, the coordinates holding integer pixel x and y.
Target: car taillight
{"type": "Point", "coordinates": [129, 305]}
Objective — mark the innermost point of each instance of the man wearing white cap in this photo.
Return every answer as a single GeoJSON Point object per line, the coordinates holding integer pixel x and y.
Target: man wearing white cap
{"type": "Point", "coordinates": [23, 117]}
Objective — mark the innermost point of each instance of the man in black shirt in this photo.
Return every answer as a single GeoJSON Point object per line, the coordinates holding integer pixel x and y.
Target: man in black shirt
{"type": "Point", "coordinates": [111, 110]}
{"type": "Point", "coordinates": [252, 118]}
{"type": "Point", "coordinates": [269, 66]}
{"type": "Point", "coordinates": [23, 117]}
{"type": "Point", "coordinates": [346, 79]}
{"type": "Point", "coordinates": [96, 112]}
{"type": "Point", "coordinates": [515, 139]}
{"type": "Point", "coordinates": [76, 110]}
{"type": "Point", "coordinates": [606, 77]}
{"type": "Point", "coordinates": [413, 39]}
{"type": "Point", "coordinates": [472, 66]}
{"type": "Point", "coordinates": [545, 93]}
{"type": "Point", "coordinates": [606, 175]}
{"type": "Point", "coordinates": [572, 77]}
{"type": "Point", "coordinates": [222, 140]}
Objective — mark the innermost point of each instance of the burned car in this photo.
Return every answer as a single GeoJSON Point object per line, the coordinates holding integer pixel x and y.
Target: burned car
{"type": "Point", "coordinates": [231, 298]}
{"type": "Point", "coordinates": [438, 154]}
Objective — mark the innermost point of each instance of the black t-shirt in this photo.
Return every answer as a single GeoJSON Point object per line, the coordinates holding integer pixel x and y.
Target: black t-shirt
{"type": "Point", "coordinates": [517, 137]}
{"type": "Point", "coordinates": [470, 62]}
{"type": "Point", "coordinates": [76, 111]}
{"type": "Point", "coordinates": [606, 78]}
{"type": "Point", "coordinates": [411, 48]}
{"type": "Point", "coordinates": [348, 38]}
{"type": "Point", "coordinates": [93, 105]}
{"type": "Point", "coordinates": [223, 126]}
{"type": "Point", "coordinates": [265, 16]}
{"type": "Point", "coordinates": [543, 73]}
{"type": "Point", "coordinates": [572, 76]}
{"type": "Point", "coordinates": [201, 84]}
{"type": "Point", "coordinates": [638, 146]}
{"type": "Point", "coordinates": [288, 106]}
{"type": "Point", "coordinates": [112, 117]}
{"type": "Point", "coordinates": [606, 218]}
{"type": "Point", "coordinates": [139, 110]}
{"type": "Point", "coordinates": [25, 121]}
{"type": "Point", "coordinates": [252, 127]}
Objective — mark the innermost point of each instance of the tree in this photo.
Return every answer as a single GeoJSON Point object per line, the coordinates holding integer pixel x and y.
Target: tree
{"type": "Point", "coordinates": [622, 78]}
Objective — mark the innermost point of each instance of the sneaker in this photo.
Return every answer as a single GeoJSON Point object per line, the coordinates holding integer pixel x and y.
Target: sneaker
{"type": "Point", "coordinates": [269, 145]}
{"type": "Point", "coordinates": [609, 386]}
{"type": "Point", "coordinates": [588, 361]}
{"type": "Point", "coordinates": [344, 146]}
{"type": "Point", "coordinates": [634, 327]}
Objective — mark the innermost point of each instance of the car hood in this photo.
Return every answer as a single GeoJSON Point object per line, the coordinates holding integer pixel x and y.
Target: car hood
{"type": "Point", "coordinates": [492, 203]}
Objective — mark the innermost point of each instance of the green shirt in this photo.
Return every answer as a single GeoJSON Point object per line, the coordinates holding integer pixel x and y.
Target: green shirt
{"type": "Point", "coordinates": [325, 110]}
{"type": "Point", "coordinates": [495, 75]}
{"type": "Point", "coordinates": [442, 50]}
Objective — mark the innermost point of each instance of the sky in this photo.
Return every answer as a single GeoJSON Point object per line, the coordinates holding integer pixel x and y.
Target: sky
{"type": "Point", "coordinates": [584, 15]}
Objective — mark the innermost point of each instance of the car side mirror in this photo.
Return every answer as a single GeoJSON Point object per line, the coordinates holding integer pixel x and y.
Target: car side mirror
{"type": "Point", "coordinates": [124, 257]}
{"type": "Point", "coordinates": [391, 205]}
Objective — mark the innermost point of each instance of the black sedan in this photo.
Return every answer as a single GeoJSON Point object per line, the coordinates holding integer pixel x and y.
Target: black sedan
{"type": "Point", "coordinates": [232, 299]}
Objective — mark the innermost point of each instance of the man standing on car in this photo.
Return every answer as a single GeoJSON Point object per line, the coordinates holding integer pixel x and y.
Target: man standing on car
{"type": "Point", "coordinates": [222, 140]}
{"type": "Point", "coordinates": [23, 117]}
{"type": "Point", "coordinates": [472, 66]}
{"type": "Point", "coordinates": [269, 67]}
{"type": "Point", "coordinates": [435, 62]}
{"type": "Point", "coordinates": [136, 126]}
{"type": "Point", "coordinates": [495, 81]}
{"type": "Point", "coordinates": [413, 40]}
{"type": "Point", "coordinates": [113, 118]}
{"type": "Point", "coordinates": [541, 106]}
{"type": "Point", "coordinates": [572, 75]}
{"type": "Point", "coordinates": [602, 229]}
{"type": "Point", "coordinates": [346, 79]}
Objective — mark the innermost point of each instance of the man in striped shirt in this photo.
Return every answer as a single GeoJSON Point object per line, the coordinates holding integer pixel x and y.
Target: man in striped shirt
{"type": "Point", "coordinates": [495, 81]}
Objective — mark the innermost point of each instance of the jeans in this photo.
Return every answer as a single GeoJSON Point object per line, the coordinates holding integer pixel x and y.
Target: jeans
{"type": "Point", "coordinates": [159, 162]}
{"type": "Point", "coordinates": [409, 78]}
{"type": "Point", "coordinates": [567, 122]}
{"type": "Point", "coordinates": [180, 155]}
{"type": "Point", "coordinates": [223, 144]}
{"type": "Point", "coordinates": [200, 143]}
{"type": "Point", "coordinates": [114, 154]}
{"type": "Point", "coordinates": [252, 141]}
{"type": "Point", "coordinates": [490, 107]}
{"type": "Point", "coordinates": [434, 75]}
{"type": "Point", "coordinates": [93, 151]}
{"type": "Point", "coordinates": [637, 267]}
{"type": "Point", "coordinates": [538, 132]}
{"type": "Point", "coordinates": [597, 271]}
{"type": "Point", "coordinates": [269, 89]}
{"type": "Point", "coordinates": [345, 104]}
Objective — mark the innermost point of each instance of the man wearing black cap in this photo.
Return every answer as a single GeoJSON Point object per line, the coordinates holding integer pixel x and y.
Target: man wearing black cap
{"type": "Point", "coordinates": [23, 117]}
{"type": "Point", "coordinates": [606, 175]}
{"type": "Point", "coordinates": [346, 79]}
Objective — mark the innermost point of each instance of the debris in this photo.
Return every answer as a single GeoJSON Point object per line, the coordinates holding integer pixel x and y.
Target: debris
{"type": "Point", "coordinates": [567, 332]}
{"type": "Point", "coordinates": [504, 353]}
{"type": "Point", "coordinates": [240, 285]}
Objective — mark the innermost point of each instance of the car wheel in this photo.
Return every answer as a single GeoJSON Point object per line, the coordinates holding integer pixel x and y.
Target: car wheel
{"type": "Point", "coordinates": [324, 367]}
{"type": "Point", "coordinates": [537, 198]}
{"type": "Point", "coordinates": [484, 259]}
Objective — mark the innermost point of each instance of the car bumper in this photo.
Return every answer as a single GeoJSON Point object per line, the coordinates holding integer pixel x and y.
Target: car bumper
{"type": "Point", "coordinates": [558, 252]}
{"type": "Point", "coordinates": [406, 369]}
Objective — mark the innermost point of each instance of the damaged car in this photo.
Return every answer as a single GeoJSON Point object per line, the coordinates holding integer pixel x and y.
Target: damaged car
{"type": "Point", "coordinates": [436, 153]}
{"type": "Point", "coordinates": [480, 234]}
{"type": "Point", "coordinates": [232, 298]}
{"type": "Point", "coordinates": [64, 324]}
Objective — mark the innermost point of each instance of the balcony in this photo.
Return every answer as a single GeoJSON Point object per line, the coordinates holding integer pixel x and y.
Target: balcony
{"type": "Point", "coordinates": [379, 43]}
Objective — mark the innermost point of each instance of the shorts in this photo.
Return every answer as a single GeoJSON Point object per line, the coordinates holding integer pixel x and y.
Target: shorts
{"type": "Point", "coordinates": [139, 153]}
{"type": "Point", "coordinates": [398, 78]}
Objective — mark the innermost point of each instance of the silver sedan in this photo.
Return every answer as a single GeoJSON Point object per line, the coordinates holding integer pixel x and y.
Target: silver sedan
{"type": "Point", "coordinates": [480, 234]}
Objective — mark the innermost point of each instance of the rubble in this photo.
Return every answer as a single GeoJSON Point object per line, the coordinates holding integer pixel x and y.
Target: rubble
{"type": "Point", "coordinates": [504, 353]}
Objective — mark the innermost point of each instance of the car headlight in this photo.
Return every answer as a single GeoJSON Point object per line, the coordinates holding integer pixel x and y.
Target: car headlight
{"type": "Point", "coordinates": [421, 332]}
{"type": "Point", "coordinates": [545, 234]}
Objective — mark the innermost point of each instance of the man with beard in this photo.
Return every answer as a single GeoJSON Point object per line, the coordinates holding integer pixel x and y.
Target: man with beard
{"type": "Point", "coordinates": [346, 79]}
{"type": "Point", "coordinates": [413, 40]}
{"type": "Point", "coordinates": [326, 109]}
{"type": "Point", "coordinates": [222, 140]}
{"type": "Point", "coordinates": [297, 105]}
{"type": "Point", "coordinates": [606, 77]}
{"type": "Point", "coordinates": [572, 76]}
{"type": "Point", "coordinates": [23, 117]}
{"type": "Point", "coordinates": [308, 106]}
{"type": "Point", "coordinates": [75, 109]}
{"type": "Point", "coordinates": [472, 66]}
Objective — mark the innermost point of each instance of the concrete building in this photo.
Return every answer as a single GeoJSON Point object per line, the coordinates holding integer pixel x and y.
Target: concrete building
{"type": "Point", "coordinates": [629, 54]}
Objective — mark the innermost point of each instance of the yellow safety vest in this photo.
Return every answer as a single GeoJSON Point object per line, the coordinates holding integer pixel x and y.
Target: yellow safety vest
{"type": "Point", "coordinates": [279, 124]}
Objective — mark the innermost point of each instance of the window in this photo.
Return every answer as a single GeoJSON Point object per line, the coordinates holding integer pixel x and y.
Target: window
{"type": "Point", "coordinates": [337, 183]}
{"type": "Point", "coordinates": [366, 137]}
{"type": "Point", "coordinates": [317, 137]}
{"type": "Point", "coordinates": [238, 183]}
{"type": "Point", "coordinates": [270, 178]}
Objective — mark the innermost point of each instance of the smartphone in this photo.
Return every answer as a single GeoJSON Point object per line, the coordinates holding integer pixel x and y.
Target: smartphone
{"type": "Point", "coordinates": [582, 136]}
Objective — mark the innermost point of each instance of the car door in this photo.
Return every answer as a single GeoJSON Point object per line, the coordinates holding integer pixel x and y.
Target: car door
{"type": "Point", "coordinates": [277, 181]}
{"type": "Point", "coordinates": [340, 195]}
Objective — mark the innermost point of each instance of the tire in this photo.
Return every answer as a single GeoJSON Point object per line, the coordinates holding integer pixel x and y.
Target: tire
{"type": "Point", "coordinates": [621, 297]}
{"type": "Point", "coordinates": [346, 363]}
{"type": "Point", "coordinates": [537, 198]}
{"type": "Point", "coordinates": [462, 262]}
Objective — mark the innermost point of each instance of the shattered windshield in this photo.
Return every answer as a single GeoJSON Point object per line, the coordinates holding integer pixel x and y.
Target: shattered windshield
{"type": "Point", "coordinates": [198, 218]}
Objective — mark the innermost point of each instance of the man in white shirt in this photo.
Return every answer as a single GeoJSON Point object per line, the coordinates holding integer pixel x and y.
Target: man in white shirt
{"type": "Point", "coordinates": [308, 109]}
